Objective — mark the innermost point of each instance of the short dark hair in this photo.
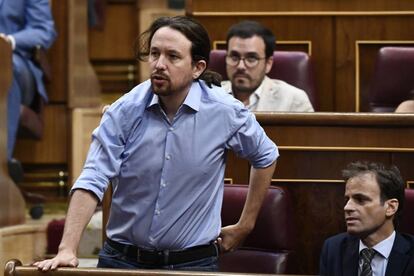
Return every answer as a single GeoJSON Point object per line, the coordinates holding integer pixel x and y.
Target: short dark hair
{"type": "Point", "coordinates": [389, 181]}
{"type": "Point", "coordinates": [192, 30]}
{"type": "Point", "coordinates": [248, 28]}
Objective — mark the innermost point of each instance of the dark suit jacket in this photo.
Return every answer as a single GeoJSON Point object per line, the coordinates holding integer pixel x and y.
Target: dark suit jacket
{"type": "Point", "coordinates": [340, 256]}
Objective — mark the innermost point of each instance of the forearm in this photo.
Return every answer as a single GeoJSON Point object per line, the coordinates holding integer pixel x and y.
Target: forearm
{"type": "Point", "coordinates": [259, 182]}
{"type": "Point", "coordinates": [81, 208]}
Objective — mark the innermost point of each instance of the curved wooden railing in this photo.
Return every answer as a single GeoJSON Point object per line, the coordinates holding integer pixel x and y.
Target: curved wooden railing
{"type": "Point", "coordinates": [15, 268]}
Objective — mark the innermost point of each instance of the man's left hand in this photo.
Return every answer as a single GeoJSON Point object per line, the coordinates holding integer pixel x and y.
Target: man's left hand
{"type": "Point", "coordinates": [231, 237]}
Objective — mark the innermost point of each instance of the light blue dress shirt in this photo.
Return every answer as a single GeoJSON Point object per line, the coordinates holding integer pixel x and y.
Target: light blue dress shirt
{"type": "Point", "coordinates": [380, 261]}
{"type": "Point", "coordinates": [168, 177]}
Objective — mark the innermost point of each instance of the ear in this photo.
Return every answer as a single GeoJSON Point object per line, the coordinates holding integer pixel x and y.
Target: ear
{"type": "Point", "coordinates": [269, 63]}
{"type": "Point", "coordinates": [199, 68]}
{"type": "Point", "coordinates": [391, 207]}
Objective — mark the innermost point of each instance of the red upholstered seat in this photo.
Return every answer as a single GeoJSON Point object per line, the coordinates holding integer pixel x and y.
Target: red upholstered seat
{"type": "Point", "coordinates": [54, 235]}
{"type": "Point", "coordinates": [269, 247]}
{"type": "Point", "coordinates": [218, 62]}
{"type": "Point", "coordinates": [407, 222]}
{"type": "Point", "coordinates": [393, 79]}
{"type": "Point", "coordinates": [293, 67]}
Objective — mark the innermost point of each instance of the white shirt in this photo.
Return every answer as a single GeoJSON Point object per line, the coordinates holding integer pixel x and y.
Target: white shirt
{"type": "Point", "coordinates": [380, 261]}
{"type": "Point", "coordinates": [254, 97]}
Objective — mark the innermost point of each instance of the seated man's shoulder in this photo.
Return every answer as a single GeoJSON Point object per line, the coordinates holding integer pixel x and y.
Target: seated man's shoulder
{"type": "Point", "coordinates": [408, 237]}
{"type": "Point", "coordinates": [340, 239]}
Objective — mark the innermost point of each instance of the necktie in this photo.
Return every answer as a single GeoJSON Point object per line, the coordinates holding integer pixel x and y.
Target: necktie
{"type": "Point", "coordinates": [366, 256]}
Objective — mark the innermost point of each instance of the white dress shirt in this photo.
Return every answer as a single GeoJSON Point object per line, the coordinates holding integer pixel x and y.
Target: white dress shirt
{"type": "Point", "coordinates": [380, 261]}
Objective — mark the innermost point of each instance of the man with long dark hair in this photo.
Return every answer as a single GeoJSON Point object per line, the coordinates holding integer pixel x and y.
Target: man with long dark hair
{"type": "Point", "coordinates": [163, 147]}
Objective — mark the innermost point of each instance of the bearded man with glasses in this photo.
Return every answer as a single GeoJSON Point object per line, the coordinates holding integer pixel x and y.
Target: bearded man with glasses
{"type": "Point", "coordinates": [249, 58]}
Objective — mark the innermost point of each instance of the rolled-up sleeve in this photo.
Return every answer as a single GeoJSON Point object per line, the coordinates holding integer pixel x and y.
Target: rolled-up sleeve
{"type": "Point", "coordinates": [250, 141]}
{"type": "Point", "coordinates": [104, 158]}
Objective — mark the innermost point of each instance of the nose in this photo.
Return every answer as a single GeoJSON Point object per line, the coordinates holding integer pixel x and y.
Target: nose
{"type": "Point", "coordinates": [160, 63]}
{"type": "Point", "coordinates": [241, 65]}
{"type": "Point", "coordinates": [348, 206]}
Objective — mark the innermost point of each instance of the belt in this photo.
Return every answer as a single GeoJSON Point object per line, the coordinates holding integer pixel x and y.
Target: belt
{"type": "Point", "coordinates": [164, 257]}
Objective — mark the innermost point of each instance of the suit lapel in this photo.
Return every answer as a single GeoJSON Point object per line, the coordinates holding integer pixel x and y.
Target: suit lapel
{"type": "Point", "coordinates": [398, 258]}
{"type": "Point", "coordinates": [351, 257]}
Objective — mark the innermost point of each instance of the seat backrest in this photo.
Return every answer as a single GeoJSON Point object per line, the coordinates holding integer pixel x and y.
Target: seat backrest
{"type": "Point", "coordinates": [393, 78]}
{"type": "Point", "coordinates": [268, 233]}
{"type": "Point", "coordinates": [293, 67]}
{"type": "Point", "coordinates": [407, 222]}
{"type": "Point", "coordinates": [270, 244]}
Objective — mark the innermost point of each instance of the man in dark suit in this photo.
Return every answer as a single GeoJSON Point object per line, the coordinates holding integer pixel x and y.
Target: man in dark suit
{"type": "Point", "coordinates": [374, 197]}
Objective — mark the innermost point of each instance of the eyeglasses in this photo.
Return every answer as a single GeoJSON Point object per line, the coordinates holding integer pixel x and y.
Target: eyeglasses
{"type": "Point", "coordinates": [250, 61]}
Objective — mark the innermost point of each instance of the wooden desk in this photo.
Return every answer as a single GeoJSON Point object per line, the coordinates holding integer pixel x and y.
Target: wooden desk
{"type": "Point", "coordinates": [317, 146]}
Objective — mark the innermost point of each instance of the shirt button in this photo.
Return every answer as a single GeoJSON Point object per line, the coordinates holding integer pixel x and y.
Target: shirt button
{"type": "Point", "coordinates": [171, 128]}
{"type": "Point", "coordinates": [157, 212]}
{"type": "Point", "coordinates": [168, 157]}
{"type": "Point", "coordinates": [163, 184]}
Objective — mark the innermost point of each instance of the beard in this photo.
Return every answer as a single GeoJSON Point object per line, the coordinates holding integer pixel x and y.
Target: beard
{"type": "Point", "coordinates": [163, 86]}
{"type": "Point", "coordinates": [160, 84]}
{"type": "Point", "coordinates": [244, 86]}
{"type": "Point", "coordinates": [242, 83]}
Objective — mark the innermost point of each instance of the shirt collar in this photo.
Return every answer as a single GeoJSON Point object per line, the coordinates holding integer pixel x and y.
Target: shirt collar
{"type": "Point", "coordinates": [192, 100]}
{"type": "Point", "coordinates": [255, 96]}
{"type": "Point", "coordinates": [383, 248]}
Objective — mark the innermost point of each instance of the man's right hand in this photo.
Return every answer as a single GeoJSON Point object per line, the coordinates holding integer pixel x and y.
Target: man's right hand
{"type": "Point", "coordinates": [81, 207]}
{"type": "Point", "coordinates": [63, 258]}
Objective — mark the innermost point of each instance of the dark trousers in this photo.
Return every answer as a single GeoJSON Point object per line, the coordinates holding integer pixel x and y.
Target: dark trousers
{"type": "Point", "coordinates": [109, 257]}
